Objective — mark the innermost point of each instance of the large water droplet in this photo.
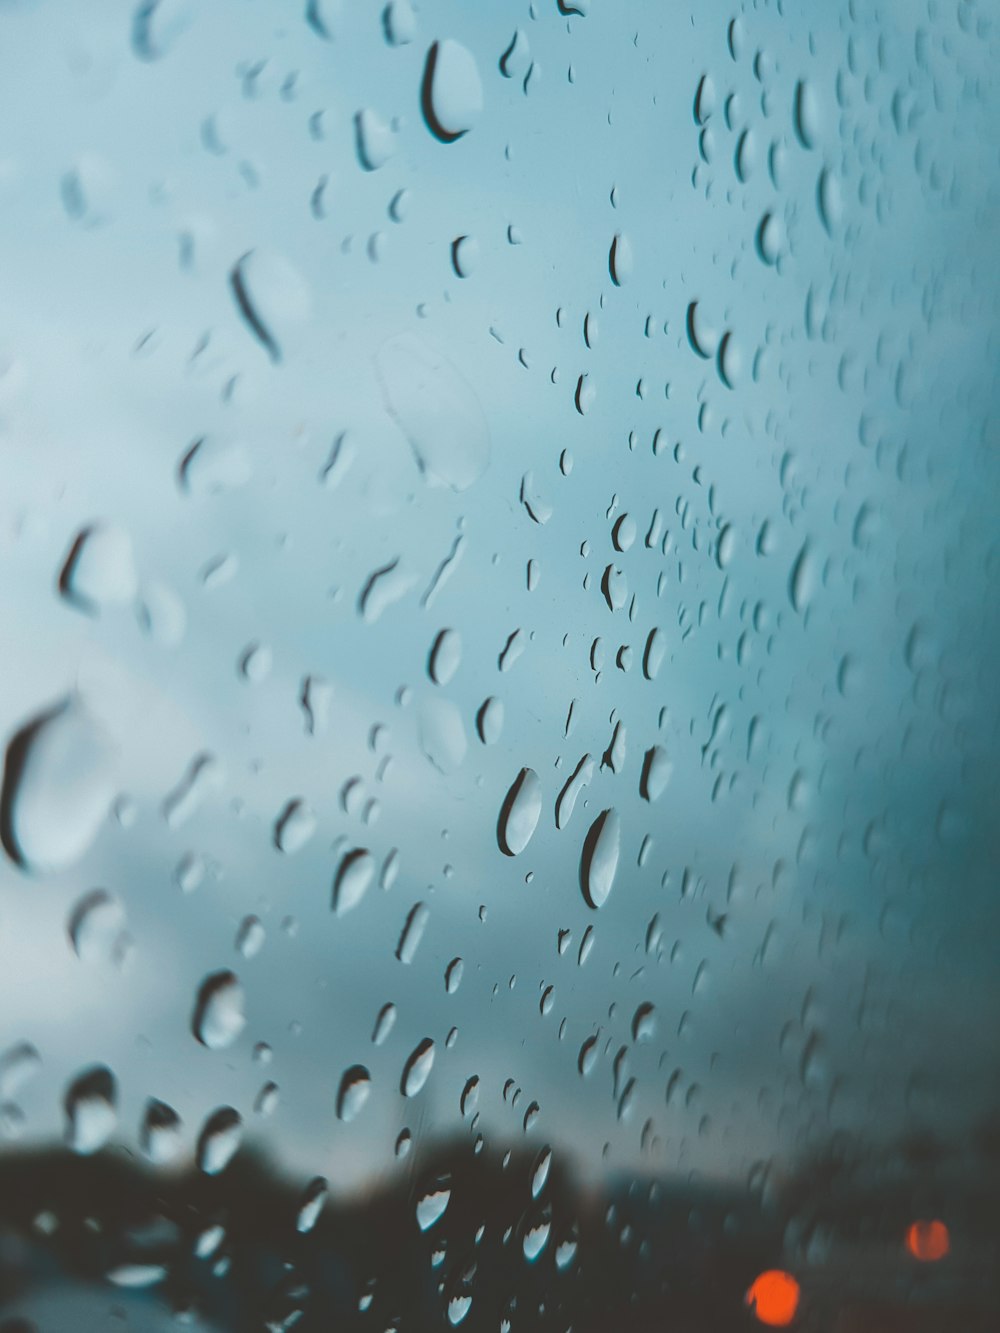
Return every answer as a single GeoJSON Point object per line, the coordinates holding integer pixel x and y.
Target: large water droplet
{"type": "Point", "coordinates": [160, 1132]}
{"type": "Point", "coordinates": [354, 876]}
{"type": "Point", "coordinates": [91, 1115]}
{"type": "Point", "coordinates": [417, 1069]}
{"type": "Point", "coordinates": [599, 861]}
{"type": "Point", "coordinates": [802, 580]}
{"type": "Point", "coordinates": [578, 779]}
{"type": "Point", "coordinates": [399, 22]}
{"type": "Point", "coordinates": [219, 1140]}
{"type": "Point", "coordinates": [433, 1203]}
{"type": "Point", "coordinates": [620, 260]}
{"type": "Point", "coordinates": [446, 656]}
{"type": "Point", "coordinates": [452, 92]}
{"type": "Point", "coordinates": [355, 1088]}
{"type": "Point", "coordinates": [489, 720]}
{"type": "Point", "coordinates": [58, 787]}
{"type": "Point", "coordinates": [97, 928]}
{"type": "Point", "coordinates": [656, 771]}
{"type": "Point", "coordinates": [413, 932]}
{"type": "Point", "coordinates": [219, 1014]}
{"type": "Point", "coordinates": [520, 813]}
{"type": "Point", "coordinates": [99, 571]}
{"type": "Point", "coordinates": [295, 826]}
{"type": "Point", "coordinates": [271, 296]}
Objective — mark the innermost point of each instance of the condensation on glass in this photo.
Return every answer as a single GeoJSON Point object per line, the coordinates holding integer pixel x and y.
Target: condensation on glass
{"type": "Point", "coordinates": [499, 555]}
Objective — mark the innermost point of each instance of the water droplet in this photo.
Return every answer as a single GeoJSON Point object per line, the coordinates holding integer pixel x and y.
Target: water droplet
{"type": "Point", "coordinates": [417, 1069]}
{"type": "Point", "coordinates": [578, 779]}
{"type": "Point", "coordinates": [136, 1277]}
{"type": "Point", "coordinates": [446, 655]}
{"type": "Point", "coordinates": [806, 114]}
{"type": "Point", "coordinates": [620, 260]}
{"type": "Point", "coordinates": [250, 936]}
{"type": "Point", "coordinates": [453, 975]}
{"type": "Point", "coordinates": [470, 1096]}
{"type": "Point", "coordinates": [520, 813]}
{"type": "Point", "coordinates": [437, 410]}
{"type": "Point", "coordinates": [517, 55]}
{"type": "Point", "coordinates": [704, 99]}
{"type": "Point", "coordinates": [587, 1057]}
{"type": "Point", "coordinates": [802, 580]}
{"type": "Point", "coordinates": [255, 663]}
{"type": "Point", "coordinates": [413, 932]}
{"type": "Point", "coordinates": [489, 721]}
{"type": "Point", "coordinates": [58, 786]}
{"type": "Point", "coordinates": [354, 876]}
{"type": "Point", "coordinates": [160, 1132]}
{"type": "Point", "coordinates": [316, 697]}
{"type": "Point", "coordinates": [384, 1024]}
{"type": "Point", "coordinates": [162, 616]}
{"type": "Point", "coordinates": [655, 651]}
{"type": "Point", "coordinates": [399, 22]}
{"type": "Point", "coordinates": [91, 1115]}
{"type": "Point", "coordinates": [540, 1171]}
{"type": "Point", "coordinates": [464, 255]}
{"type": "Point", "coordinates": [536, 1237]}
{"type": "Point", "coordinates": [266, 1102]}
{"type": "Point", "coordinates": [213, 466]}
{"type": "Point", "coordinates": [311, 1204]}
{"type": "Point", "coordinates": [537, 508]}
{"type": "Point", "coordinates": [18, 1066]}
{"type": "Point", "coordinates": [644, 1022]}
{"type": "Point", "coordinates": [219, 1015]}
{"type": "Point", "coordinates": [219, 1140]}
{"type": "Point", "coordinates": [586, 392]}
{"type": "Point", "coordinates": [433, 1203]}
{"type": "Point", "coordinates": [355, 1088]}
{"type": "Point", "coordinates": [452, 92]}
{"type": "Point", "coordinates": [203, 776]}
{"type": "Point", "coordinates": [294, 827]}
{"type": "Point", "coordinates": [565, 1254]}
{"type": "Point", "coordinates": [99, 571]}
{"type": "Point", "coordinates": [599, 860]}
{"type": "Point", "coordinates": [656, 771]}
{"type": "Point", "coordinates": [272, 298]}
{"type": "Point", "coordinates": [374, 138]}
{"type": "Point", "coordinates": [829, 200]}
{"type": "Point", "coordinates": [97, 928]}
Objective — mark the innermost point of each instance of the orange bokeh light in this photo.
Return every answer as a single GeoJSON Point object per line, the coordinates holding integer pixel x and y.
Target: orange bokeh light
{"type": "Point", "coordinates": [928, 1241]}
{"type": "Point", "coordinates": [774, 1298]}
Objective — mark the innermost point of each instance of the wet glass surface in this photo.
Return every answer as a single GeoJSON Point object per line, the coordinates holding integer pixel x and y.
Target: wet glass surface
{"type": "Point", "coordinates": [499, 557]}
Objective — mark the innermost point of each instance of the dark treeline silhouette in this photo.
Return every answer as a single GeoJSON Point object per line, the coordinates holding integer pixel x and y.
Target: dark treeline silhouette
{"type": "Point", "coordinates": [668, 1253]}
